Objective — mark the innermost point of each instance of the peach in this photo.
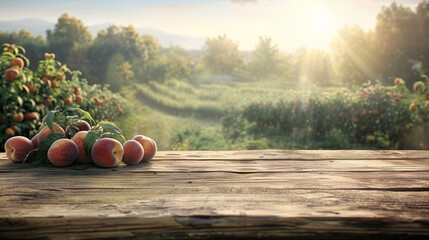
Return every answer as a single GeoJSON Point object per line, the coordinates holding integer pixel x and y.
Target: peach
{"type": "Point", "coordinates": [32, 116]}
{"type": "Point", "coordinates": [11, 74]}
{"type": "Point", "coordinates": [18, 117]}
{"type": "Point", "coordinates": [149, 146]}
{"type": "Point", "coordinates": [46, 131]}
{"type": "Point", "coordinates": [68, 101]}
{"type": "Point", "coordinates": [79, 139]}
{"type": "Point", "coordinates": [9, 131]}
{"type": "Point", "coordinates": [63, 152]}
{"type": "Point", "coordinates": [107, 152]}
{"type": "Point", "coordinates": [133, 152]}
{"type": "Point", "coordinates": [79, 125]}
{"type": "Point", "coordinates": [17, 148]}
{"type": "Point", "coordinates": [17, 62]}
{"type": "Point", "coordinates": [34, 141]}
{"type": "Point", "coordinates": [78, 99]}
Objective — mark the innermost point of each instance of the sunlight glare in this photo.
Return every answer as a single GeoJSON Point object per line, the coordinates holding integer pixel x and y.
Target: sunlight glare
{"type": "Point", "coordinates": [320, 18]}
{"type": "Point", "coordinates": [320, 26]}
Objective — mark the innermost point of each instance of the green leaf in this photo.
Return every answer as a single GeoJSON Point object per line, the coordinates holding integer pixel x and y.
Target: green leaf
{"type": "Point", "coordinates": [8, 54]}
{"type": "Point", "coordinates": [110, 127]}
{"type": "Point", "coordinates": [90, 139]}
{"type": "Point", "coordinates": [22, 56]}
{"type": "Point", "coordinates": [21, 48]}
{"type": "Point", "coordinates": [44, 145]}
{"type": "Point", "coordinates": [49, 119]}
{"type": "Point", "coordinates": [84, 114]}
{"type": "Point", "coordinates": [116, 136]}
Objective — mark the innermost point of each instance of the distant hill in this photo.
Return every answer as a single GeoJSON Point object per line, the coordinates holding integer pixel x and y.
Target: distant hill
{"type": "Point", "coordinates": [39, 27]}
{"type": "Point", "coordinates": [35, 26]}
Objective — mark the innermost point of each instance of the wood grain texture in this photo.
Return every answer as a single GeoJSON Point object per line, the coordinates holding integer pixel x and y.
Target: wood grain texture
{"type": "Point", "coordinates": [269, 194]}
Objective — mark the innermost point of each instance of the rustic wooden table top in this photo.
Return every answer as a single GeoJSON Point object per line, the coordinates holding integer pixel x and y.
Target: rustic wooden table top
{"type": "Point", "coordinates": [268, 194]}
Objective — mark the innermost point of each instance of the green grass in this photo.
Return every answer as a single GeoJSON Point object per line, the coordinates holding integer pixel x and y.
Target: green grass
{"type": "Point", "coordinates": [189, 110]}
{"type": "Point", "coordinates": [150, 121]}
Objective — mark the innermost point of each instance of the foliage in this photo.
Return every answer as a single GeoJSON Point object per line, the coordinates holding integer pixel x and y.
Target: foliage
{"type": "Point", "coordinates": [69, 33]}
{"type": "Point", "coordinates": [31, 95]}
{"type": "Point", "coordinates": [35, 46]}
{"type": "Point", "coordinates": [355, 55]}
{"type": "Point", "coordinates": [372, 116]}
{"type": "Point", "coordinates": [178, 101]}
{"type": "Point", "coordinates": [139, 51]}
{"type": "Point", "coordinates": [222, 55]}
{"type": "Point", "coordinates": [398, 41]}
{"type": "Point", "coordinates": [312, 66]}
{"type": "Point", "coordinates": [172, 63]}
{"type": "Point", "coordinates": [393, 49]}
{"type": "Point", "coordinates": [268, 62]}
{"type": "Point", "coordinates": [198, 139]}
{"type": "Point", "coordinates": [119, 72]}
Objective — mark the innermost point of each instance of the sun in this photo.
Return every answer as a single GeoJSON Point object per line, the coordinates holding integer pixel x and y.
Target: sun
{"type": "Point", "coordinates": [319, 25]}
{"type": "Point", "coordinates": [320, 18]}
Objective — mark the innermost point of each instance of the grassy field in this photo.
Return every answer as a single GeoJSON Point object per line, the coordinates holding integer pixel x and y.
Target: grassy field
{"type": "Point", "coordinates": [151, 121]}
{"type": "Point", "coordinates": [165, 110]}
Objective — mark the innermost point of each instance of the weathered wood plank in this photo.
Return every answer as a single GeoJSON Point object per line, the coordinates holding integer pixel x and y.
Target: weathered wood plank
{"type": "Point", "coordinates": [245, 166]}
{"type": "Point", "coordinates": [313, 155]}
{"type": "Point", "coordinates": [293, 155]}
{"type": "Point", "coordinates": [269, 194]}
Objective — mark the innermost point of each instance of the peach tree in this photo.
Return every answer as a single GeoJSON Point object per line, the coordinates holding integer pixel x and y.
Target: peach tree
{"type": "Point", "coordinates": [27, 96]}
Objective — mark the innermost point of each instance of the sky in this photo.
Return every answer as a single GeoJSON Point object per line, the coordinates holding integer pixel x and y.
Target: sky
{"type": "Point", "coordinates": [290, 23]}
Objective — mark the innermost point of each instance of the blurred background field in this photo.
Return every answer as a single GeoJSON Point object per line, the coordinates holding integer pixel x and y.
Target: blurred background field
{"type": "Point", "coordinates": [367, 90]}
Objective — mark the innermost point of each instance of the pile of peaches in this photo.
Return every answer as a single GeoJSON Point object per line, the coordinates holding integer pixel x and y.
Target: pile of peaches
{"type": "Point", "coordinates": [67, 146]}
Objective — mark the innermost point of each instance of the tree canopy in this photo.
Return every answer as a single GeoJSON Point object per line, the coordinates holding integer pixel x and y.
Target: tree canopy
{"type": "Point", "coordinates": [222, 55]}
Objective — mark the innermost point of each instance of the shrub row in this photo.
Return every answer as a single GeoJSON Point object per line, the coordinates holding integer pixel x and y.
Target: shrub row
{"type": "Point", "coordinates": [372, 116]}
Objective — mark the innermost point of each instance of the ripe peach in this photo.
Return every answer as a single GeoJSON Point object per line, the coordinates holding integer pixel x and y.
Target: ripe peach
{"type": "Point", "coordinates": [46, 131]}
{"type": "Point", "coordinates": [32, 116]}
{"type": "Point", "coordinates": [17, 62]}
{"type": "Point", "coordinates": [149, 146]}
{"type": "Point", "coordinates": [9, 131]}
{"type": "Point", "coordinates": [54, 84]}
{"type": "Point", "coordinates": [63, 152]}
{"type": "Point", "coordinates": [48, 102]}
{"type": "Point", "coordinates": [79, 125]}
{"type": "Point", "coordinates": [34, 141]}
{"type": "Point", "coordinates": [31, 87]}
{"type": "Point", "coordinates": [79, 138]}
{"type": "Point", "coordinates": [10, 47]}
{"type": "Point", "coordinates": [133, 152]}
{"type": "Point", "coordinates": [83, 125]}
{"type": "Point", "coordinates": [107, 152]}
{"type": "Point", "coordinates": [78, 99]}
{"type": "Point", "coordinates": [68, 101]}
{"type": "Point", "coordinates": [17, 148]}
{"type": "Point", "coordinates": [11, 74]}
{"type": "Point", "coordinates": [18, 117]}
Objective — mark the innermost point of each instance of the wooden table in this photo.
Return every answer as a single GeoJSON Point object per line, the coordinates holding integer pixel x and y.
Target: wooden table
{"type": "Point", "coordinates": [269, 194]}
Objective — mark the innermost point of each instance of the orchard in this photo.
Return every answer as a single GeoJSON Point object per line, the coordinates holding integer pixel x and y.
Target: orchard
{"type": "Point", "coordinates": [369, 117]}
{"type": "Point", "coordinates": [27, 96]}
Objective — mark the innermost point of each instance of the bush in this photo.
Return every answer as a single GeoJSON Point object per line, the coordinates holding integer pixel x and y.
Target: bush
{"type": "Point", "coordinates": [372, 116]}
{"type": "Point", "coordinates": [198, 139]}
{"type": "Point", "coordinates": [27, 96]}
